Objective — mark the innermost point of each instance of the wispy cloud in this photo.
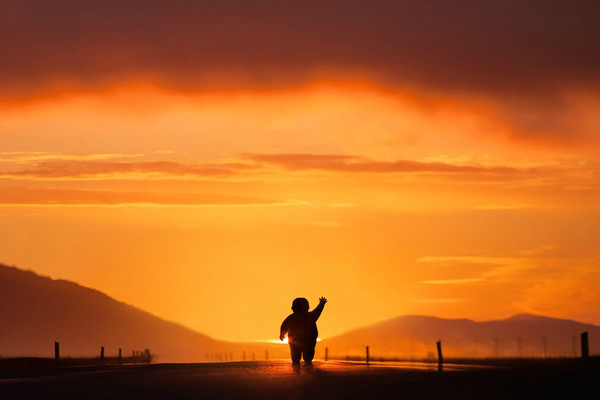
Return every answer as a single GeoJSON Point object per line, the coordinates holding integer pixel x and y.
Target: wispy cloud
{"type": "Point", "coordinates": [351, 163]}
{"type": "Point", "coordinates": [51, 166]}
{"type": "Point", "coordinates": [78, 169]}
{"type": "Point", "coordinates": [321, 224]}
{"type": "Point", "coordinates": [32, 156]}
{"type": "Point", "coordinates": [341, 205]}
{"type": "Point", "coordinates": [491, 268]}
{"type": "Point", "coordinates": [438, 301]}
{"type": "Point", "coordinates": [446, 260]}
{"type": "Point", "coordinates": [453, 281]}
{"type": "Point", "coordinates": [503, 207]}
{"type": "Point", "coordinates": [47, 196]}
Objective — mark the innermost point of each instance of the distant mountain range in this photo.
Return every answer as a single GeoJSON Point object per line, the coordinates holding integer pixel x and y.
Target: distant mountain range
{"type": "Point", "coordinates": [414, 336]}
{"type": "Point", "coordinates": [36, 311]}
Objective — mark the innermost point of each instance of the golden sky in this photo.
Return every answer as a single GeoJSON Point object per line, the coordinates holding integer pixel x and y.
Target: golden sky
{"type": "Point", "coordinates": [210, 161]}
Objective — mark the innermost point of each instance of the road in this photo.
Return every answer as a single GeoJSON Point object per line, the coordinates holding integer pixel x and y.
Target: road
{"type": "Point", "coordinates": [279, 380]}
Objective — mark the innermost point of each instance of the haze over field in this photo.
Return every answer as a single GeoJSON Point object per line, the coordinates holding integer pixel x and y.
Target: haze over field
{"type": "Point", "coordinates": [210, 161]}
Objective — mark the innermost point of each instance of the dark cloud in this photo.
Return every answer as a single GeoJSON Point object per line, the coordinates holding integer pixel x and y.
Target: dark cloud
{"type": "Point", "coordinates": [525, 47]}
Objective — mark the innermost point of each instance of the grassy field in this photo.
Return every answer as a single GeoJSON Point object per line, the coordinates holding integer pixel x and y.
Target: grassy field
{"type": "Point", "coordinates": [569, 379]}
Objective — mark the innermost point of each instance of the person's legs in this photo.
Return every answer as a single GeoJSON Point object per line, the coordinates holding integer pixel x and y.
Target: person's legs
{"type": "Point", "coordinates": [296, 353]}
{"type": "Point", "coordinates": [309, 353]}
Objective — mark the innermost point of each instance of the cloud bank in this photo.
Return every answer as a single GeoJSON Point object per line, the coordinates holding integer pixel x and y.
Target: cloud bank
{"type": "Point", "coordinates": [531, 62]}
{"type": "Point", "coordinates": [523, 48]}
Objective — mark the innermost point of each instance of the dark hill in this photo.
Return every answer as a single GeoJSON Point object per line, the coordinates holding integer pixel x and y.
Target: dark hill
{"type": "Point", "coordinates": [36, 311]}
{"type": "Point", "coordinates": [415, 336]}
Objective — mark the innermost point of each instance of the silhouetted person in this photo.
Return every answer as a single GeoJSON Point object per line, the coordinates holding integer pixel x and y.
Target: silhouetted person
{"type": "Point", "coordinates": [301, 328]}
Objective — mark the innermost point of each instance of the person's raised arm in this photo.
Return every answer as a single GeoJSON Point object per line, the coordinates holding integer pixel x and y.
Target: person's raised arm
{"type": "Point", "coordinates": [316, 313]}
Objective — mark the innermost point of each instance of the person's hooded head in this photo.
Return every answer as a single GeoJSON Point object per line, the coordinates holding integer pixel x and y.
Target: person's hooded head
{"type": "Point", "coordinates": [300, 305]}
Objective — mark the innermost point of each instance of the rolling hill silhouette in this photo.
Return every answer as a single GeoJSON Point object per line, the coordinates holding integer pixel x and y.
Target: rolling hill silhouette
{"type": "Point", "coordinates": [35, 311]}
{"type": "Point", "coordinates": [414, 336]}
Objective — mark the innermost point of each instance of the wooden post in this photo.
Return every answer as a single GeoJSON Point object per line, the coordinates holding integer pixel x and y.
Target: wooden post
{"type": "Point", "coordinates": [56, 351]}
{"type": "Point", "coordinates": [266, 354]}
{"type": "Point", "coordinates": [326, 353]}
{"type": "Point", "coordinates": [120, 357]}
{"type": "Point", "coordinates": [367, 355]}
{"type": "Point", "coordinates": [545, 344]}
{"type": "Point", "coordinates": [585, 350]}
{"type": "Point", "coordinates": [102, 355]}
{"type": "Point", "coordinates": [440, 357]}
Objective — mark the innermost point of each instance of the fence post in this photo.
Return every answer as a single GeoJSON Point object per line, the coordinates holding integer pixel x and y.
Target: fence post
{"type": "Point", "coordinates": [266, 354]}
{"type": "Point", "coordinates": [326, 353]}
{"type": "Point", "coordinates": [545, 345]}
{"type": "Point", "coordinates": [585, 350]}
{"type": "Point", "coordinates": [440, 357]}
{"type": "Point", "coordinates": [102, 355]}
{"type": "Point", "coordinates": [120, 356]}
{"type": "Point", "coordinates": [367, 355]}
{"type": "Point", "coordinates": [57, 351]}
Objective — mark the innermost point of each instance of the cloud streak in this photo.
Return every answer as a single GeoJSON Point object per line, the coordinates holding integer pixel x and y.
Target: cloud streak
{"type": "Point", "coordinates": [439, 301]}
{"type": "Point", "coordinates": [32, 156]}
{"type": "Point", "coordinates": [74, 197]}
{"type": "Point", "coordinates": [100, 166]}
{"type": "Point", "coordinates": [453, 281]}
{"type": "Point", "coordinates": [452, 260]}
{"type": "Point", "coordinates": [349, 163]}
{"type": "Point", "coordinates": [72, 169]}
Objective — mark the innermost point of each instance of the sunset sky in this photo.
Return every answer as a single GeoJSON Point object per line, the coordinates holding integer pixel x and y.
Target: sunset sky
{"type": "Point", "coordinates": [209, 161]}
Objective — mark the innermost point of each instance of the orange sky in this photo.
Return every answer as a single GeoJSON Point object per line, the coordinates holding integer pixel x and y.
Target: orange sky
{"type": "Point", "coordinates": [212, 193]}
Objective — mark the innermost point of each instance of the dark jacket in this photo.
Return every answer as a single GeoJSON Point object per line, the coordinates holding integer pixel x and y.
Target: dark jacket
{"type": "Point", "coordinates": [301, 327]}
